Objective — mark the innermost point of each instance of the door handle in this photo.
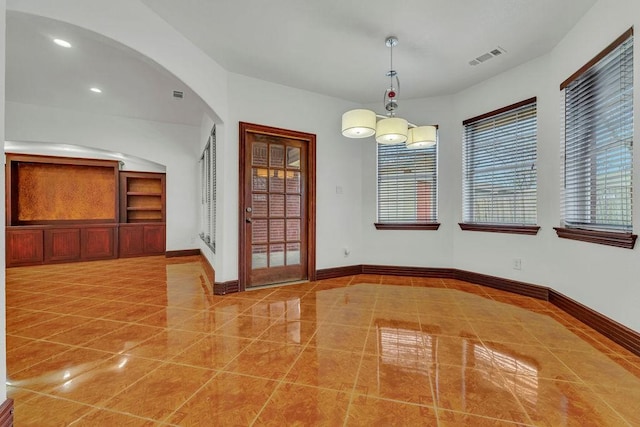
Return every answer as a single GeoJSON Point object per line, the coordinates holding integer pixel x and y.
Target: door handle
{"type": "Point", "coordinates": [249, 220]}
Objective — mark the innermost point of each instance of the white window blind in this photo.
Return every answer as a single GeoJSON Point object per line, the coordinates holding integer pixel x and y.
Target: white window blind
{"type": "Point", "coordinates": [407, 185]}
{"type": "Point", "coordinates": [500, 166]}
{"type": "Point", "coordinates": [598, 140]}
{"type": "Point", "coordinates": [208, 192]}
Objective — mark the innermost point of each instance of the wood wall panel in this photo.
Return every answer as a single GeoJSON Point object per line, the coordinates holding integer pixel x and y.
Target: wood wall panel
{"type": "Point", "coordinates": [154, 240]}
{"type": "Point", "coordinates": [98, 243]}
{"type": "Point", "coordinates": [24, 247]}
{"type": "Point", "coordinates": [62, 192]}
{"type": "Point", "coordinates": [130, 241]}
{"type": "Point", "coordinates": [61, 245]}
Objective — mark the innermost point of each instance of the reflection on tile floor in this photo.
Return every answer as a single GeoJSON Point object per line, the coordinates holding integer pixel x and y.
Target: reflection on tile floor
{"type": "Point", "coordinates": [142, 342]}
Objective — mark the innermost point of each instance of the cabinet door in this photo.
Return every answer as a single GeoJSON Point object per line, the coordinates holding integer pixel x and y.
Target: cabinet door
{"type": "Point", "coordinates": [24, 247]}
{"type": "Point", "coordinates": [154, 237]}
{"type": "Point", "coordinates": [62, 245]}
{"type": "Point", "coordinates": [130, 241]}
{"type": "Point", "coordinates": [98, 243]}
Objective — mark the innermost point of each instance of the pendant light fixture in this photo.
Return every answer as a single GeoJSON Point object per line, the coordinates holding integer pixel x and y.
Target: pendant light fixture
{"type": "Point", "coordinates": [389, 129]}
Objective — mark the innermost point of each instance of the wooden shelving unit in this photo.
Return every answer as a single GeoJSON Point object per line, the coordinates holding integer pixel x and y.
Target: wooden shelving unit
{"type": "Point", "coordinates": [142, 214]}
{"type": "Point", "coordinates": [142, 197]}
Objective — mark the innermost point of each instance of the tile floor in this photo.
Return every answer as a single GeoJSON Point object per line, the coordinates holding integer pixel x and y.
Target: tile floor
{"type": "Point", "coordinates": [142, 342]}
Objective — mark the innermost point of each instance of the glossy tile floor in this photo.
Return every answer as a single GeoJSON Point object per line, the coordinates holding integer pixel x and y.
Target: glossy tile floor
{"type": "Point", "coordinates": [142, 342]}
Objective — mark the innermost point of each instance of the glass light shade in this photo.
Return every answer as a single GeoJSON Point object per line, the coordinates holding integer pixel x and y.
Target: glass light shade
{"type": "Point", "coordinates": [392, 130]}
{"type": "Point", "coordinates": [358, 123]}
{"type": "Point", "coordinates": [422, 137]}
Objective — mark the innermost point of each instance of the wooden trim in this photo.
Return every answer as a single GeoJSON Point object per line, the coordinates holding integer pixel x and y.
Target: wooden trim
{"type": "Point", "coordinates": [181, 253]}
{"type": "Point", "coordinates": [6, 413]}
{"type": "Point", "coordinates": [208, 269]}
{"type": "Point", "coordinates": [513, 286]}
{"type": "Point", "coordinates": [611, 329]}
{"type": "Point", "coordinates": [499, 111]}
{"type": "Point", "coordinates": [499, 228]}
{"type": "Point", "coordinates": [609, 238]}
{"type": "Point", "coordinates": [308, 138]}
{"type": "Point", "coordinates": [392, 270]}
{"type": "Point", "coordinates": [311, 206]}
{"type": "Point", "coordinates": [332, 273]}
{"type": "Point", "coordinates": [430, 226]}
{"type": "Point", "coordinates": [223, 288]}
{"type": "Point", "coordinates": [617, 42]}
{"type": "Point", "coordinates": [242, 235]}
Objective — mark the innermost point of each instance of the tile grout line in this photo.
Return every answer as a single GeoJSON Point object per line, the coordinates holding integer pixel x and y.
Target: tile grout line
{"type": "Point", "coordinates": [362, 353]}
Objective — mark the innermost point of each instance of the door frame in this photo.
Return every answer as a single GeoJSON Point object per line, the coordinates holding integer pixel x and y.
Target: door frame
{"type": "Point", "coordinates": [307, 138]}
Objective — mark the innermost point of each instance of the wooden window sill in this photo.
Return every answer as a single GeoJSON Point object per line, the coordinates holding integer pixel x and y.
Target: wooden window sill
{"type": "Point", "coordinates": [499, 228]}
{"type": "Point", "coordinates": [429, 226]}
{"type": "Point", "coordinates": [609, 238]}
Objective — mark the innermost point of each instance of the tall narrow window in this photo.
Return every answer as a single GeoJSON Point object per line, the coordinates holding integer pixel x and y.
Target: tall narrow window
{"type": "Point", "coordinates": [208, 192]}
{"type": "Point", "coordinates": [500, 169]}
{"type": "Point", "coordinates": [598, 136]}
{"type": "Point", "coordinates": [407, 187]}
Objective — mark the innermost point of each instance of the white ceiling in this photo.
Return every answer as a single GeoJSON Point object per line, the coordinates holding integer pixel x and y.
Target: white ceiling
{"type": "Point", "coordinates": [336, 47]}
{"type": "Point", "coordinates": [42, 73]}
{"type": "Point", "coordinates": [332, 47]}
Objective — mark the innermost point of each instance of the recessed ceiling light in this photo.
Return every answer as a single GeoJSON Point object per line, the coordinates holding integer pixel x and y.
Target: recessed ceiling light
{"type": "Point", "coordinates": [62, 43]}
{"type": "Point", "coordinates": [96, 90]}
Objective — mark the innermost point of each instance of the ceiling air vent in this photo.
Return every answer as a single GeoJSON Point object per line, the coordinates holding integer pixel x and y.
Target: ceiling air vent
{"type": "Point", "coordinates": [487, 56]}
{"type": "Point", "coordinates": [178, 94]}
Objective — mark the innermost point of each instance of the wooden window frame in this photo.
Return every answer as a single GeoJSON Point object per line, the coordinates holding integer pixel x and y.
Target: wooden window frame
{"type": "Point", "coordinates": [593, 235]}
{"type": "Point", "coordinates": [525, 229]}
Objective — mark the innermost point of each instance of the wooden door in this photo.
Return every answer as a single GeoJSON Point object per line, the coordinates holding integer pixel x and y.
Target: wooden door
{"type": "Point", "coordinates": [277, 205]}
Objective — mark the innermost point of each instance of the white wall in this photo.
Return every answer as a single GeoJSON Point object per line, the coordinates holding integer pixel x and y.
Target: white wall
{"type": "Point", "coordinates": [601, 277]}
{"type": "Point", "coordinates": [175, 146]}
{"type": "Point", "coordinates": [414, 248]}
{"type": "Point", "coordinates": [338, 216]}
{"type": "Point", "coordinates": [3, 302]}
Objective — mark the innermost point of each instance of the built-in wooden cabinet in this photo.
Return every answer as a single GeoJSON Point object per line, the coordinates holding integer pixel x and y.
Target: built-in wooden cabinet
{"type": "Point", "coordinates": [141, 239]}
{"type": "Point", "coordinates": [142, 214]}
{"type": "Point", "coordinates": [67, 210]}
{"type": "Point", "coordinates": [47, 244]}
{"type": "Point", "coordinates": [142, 197]}
{"type": "Point", "coordinates": [24, 246]}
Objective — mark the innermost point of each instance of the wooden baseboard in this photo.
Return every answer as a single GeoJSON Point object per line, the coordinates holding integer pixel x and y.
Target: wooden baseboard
{"type": "Point", "coordinates": [611, 329]}
{"type": "Point", "coordinates": [521, 288]}
{"type": "Point", "coordinates": [208, 269]}
{"type": "Point", "coordinates": [223, 288]}
{"type": "Point", "coordinates": [6, 413]}
{"type": "Point", "coordinates": [181, 253]}
{"type": "Point", "coordinates": [392, 270]}
{"type": "Point", "coordinates": [332, 273]}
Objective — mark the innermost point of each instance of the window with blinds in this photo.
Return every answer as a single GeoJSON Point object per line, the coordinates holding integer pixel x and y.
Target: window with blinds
{"type": "Point", "coordinates": [598, 138]}
{"type": "Point", "coordinates": [208, 192]}
{"type": "Point", "coordinates": [407, 185]}
{"type": "Point", "coordinates": [499, 164]}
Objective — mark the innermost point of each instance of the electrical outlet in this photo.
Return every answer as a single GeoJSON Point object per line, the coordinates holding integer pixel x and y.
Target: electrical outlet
{"type": "Point", "coordinates": [517, 264]}
{"type": "Point", "coordinates": [347, 251]}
